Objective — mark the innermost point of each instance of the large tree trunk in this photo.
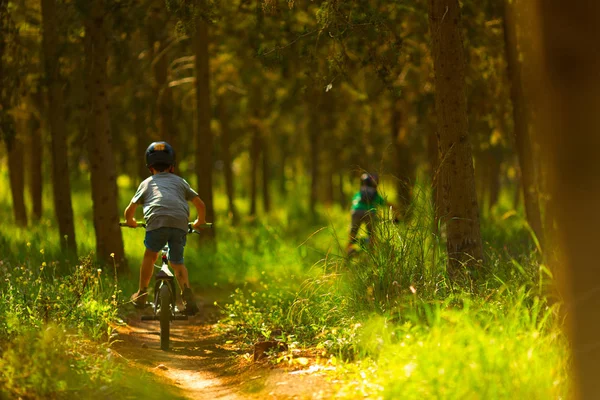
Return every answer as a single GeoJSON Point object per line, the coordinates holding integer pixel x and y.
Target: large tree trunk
{"type": "Point", "coordinates": [227, 161]}
{"type": "Point", "coordinates": [17, 178]}
{"type": "Point", "coordinates": [204, 145]}
{"type": "Point", "coordinates": [521, 122]}
{"type": "Point", "coordinates": [461, 213]}
{"type": "Point", "coordinates": [163, 94]}
{"type": "Point", "coordinates": [166, 126]}
{"type": "Point", "coordinates": [434, 167]}
{"type": "Point", "coordinates": [61, 185]}
{"type": "Point", "coordinates": [141, 143]}
{"type": "Point", "coordinates": [571, 93]}
{"type": "Point", "coordinates": [102, 163]}
{"type": "Point", "coordinates": [35, 167]}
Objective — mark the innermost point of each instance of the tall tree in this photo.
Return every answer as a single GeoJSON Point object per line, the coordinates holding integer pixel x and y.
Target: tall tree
{"type": "Point", "coordinates": [571, 90]}
{"type": "Point", "coordinates": [457, 181]}
{"type": "Point", "coordinates": [8, 97]}
{"type": "Point", "coordinates": [16, 158]}
{"type": "Point", "coordinates": [521, 121]}
{"type": "Point", "coordinates": [403, 166]}
{"type": "Point", "coordinates": [204, 144]}
{"type": "Point", "coordinates": [102, 162]}
{"type": "Point", "coordinates": [36, 153]}
{"type": "Point", "coordinates": [57, 126]}
{"type": "Point", "coordinates": [158, 49]}
{"type": "Point", "coordinates": [14, 147]}
{"type": "Point", "coordinates": [226, 155]}
{"type": "Point", "coordinates": [266, 171]}
{"type": "Point", "coordinates": [314, 132]}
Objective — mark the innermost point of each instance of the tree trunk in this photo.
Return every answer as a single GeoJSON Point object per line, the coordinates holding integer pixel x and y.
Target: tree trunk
{"type": "Point", "coordinates": [494, 176]}
{"type": "Point", "coordinates": [254, 159]}
{"type": "Point", "coordinates": [35, 165]}
{"type": "Point", "coordinates": [141, 144]}
{"type": "Point", "coordinates": [521, 122]}
{"type": "Point", "coordinates": [61, 185]}
{"type": "Point", "coordinates": [403, 166]}
{"type": "Point", "coordinates": [102, 163]}
{"type": "Point", "coordinates": [571, 95]}
{"type": "Point", "coordinates": [204, 144]}
{"type": "Point", "coordinates": [461, 213]}
{"type": "Point", "coordinates": [226, 155]}
{"type": "Point", "coordinates": [17, 179]}
{"type": "Point", "coordinates": [434, 165]}
{"type": "Point", "coordinates": [166, 127]}
{"type": "Point", "coordinates": [284, 153]}
{"type": "Point", "coordinates": [313, 135]}
{"type": "Point", "coordinates": [342, 193]}
{"type": "Point", "coordinates": [160, 64]}
{"type": "Point", "coordinates": [329, 189]}
{"type": "Point", "coordinates": [266, 176]}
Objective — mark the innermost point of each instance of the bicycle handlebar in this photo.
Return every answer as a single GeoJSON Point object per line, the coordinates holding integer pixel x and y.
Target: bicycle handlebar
{"type": "Point", "coordinates": [190, 229]}
{"type": "Point", "coordinates": [139, 225]}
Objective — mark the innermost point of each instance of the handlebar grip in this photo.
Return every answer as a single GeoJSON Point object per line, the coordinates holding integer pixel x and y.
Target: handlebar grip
{"type": "Point", "coordinates": [192, 230]}
{"type": "Point", "coordinates": [139, 225]}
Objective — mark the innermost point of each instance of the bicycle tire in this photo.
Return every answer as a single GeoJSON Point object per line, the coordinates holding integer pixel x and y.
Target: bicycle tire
{"type": "Point", "coordinates": [165, 316]}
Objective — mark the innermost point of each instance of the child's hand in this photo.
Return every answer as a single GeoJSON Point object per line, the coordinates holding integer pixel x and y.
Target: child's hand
{"type": "Point", "coordinates": [197, 224]}
{"type": "Point", "coordinates": [132, 223]}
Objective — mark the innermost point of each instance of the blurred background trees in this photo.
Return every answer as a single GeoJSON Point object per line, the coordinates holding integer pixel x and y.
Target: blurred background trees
{"type": "Point", "coordinates": [272, 103]}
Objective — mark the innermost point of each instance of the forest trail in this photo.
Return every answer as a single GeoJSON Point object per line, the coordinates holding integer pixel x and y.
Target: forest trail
{"type": "Point", "coordinates": [201, 365]}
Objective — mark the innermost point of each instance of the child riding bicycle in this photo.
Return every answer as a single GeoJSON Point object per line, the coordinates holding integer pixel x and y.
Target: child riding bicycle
{"type": "Point", "coordinates": [364, 208]}
{"type": "Point", "coordinates": [164, 198]}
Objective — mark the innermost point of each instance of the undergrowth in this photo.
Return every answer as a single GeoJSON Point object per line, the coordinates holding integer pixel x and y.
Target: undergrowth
{"type": "Point", "coordinates": [406, 330]}
{"type": "Point", "coordinates": [388, 321]}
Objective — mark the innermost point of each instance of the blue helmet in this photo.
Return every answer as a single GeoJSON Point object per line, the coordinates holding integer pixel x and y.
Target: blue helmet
{"type": "Point", "coordinates": [369, 180]}
{"type": "Point", "coordinates": [160, 153]}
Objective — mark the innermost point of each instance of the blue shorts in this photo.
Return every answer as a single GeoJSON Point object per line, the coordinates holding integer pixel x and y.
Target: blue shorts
{"type": "Point", "coordinates": [157, 239]}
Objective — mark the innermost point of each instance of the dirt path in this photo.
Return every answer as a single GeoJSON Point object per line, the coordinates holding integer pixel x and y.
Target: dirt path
{"type": "Point", "coordinates": [202, 365]}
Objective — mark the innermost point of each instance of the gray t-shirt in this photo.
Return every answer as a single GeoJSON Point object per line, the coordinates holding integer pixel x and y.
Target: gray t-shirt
{"type": "Point", "coordinates": [164, 197]}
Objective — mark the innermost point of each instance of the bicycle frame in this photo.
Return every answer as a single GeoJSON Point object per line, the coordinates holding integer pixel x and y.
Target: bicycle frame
{"type": "Point", "coordinates": [164, 306]}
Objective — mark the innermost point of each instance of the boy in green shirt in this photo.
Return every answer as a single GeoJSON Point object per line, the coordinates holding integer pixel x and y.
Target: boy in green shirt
{"type": "Point", "coordinates": [364, 207]}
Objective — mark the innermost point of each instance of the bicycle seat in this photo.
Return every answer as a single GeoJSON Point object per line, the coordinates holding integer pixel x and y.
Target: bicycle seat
{"type": "Point", "coordinates": [164, 274]}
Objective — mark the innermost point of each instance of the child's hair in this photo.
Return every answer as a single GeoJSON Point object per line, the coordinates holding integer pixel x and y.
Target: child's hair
{"type": "Point", "coordinates": [161, 167]}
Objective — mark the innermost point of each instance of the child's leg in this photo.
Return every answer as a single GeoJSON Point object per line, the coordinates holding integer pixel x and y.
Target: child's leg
{"type": "Point", "coordinates": [357, 217]}
{"type": "Point", "coordinates": [154, 241]}
{"type": "Point", "coordinates": [181, 274]}
{"type": "Point", "coordinates": [147, 268]}
{"type": "Point", "coordinates": [177, 239]}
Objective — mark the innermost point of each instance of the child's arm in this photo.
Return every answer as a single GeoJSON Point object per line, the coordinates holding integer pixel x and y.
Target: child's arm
{"type": "Point", "coordinates": [201, 209]}
{"type": "Point", "coordinates": [129, 213]}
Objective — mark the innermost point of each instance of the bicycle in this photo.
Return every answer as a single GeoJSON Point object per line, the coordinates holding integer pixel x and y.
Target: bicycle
{"type": "Point", "coordinates": [164, 306]}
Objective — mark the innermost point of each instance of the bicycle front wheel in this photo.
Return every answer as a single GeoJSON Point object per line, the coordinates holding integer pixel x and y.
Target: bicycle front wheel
{"type": "Point", "coordinates": [165, 316]}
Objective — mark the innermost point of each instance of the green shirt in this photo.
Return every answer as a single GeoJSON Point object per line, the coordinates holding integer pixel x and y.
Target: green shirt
{"type": "Point", "coordinates": [359, 204]}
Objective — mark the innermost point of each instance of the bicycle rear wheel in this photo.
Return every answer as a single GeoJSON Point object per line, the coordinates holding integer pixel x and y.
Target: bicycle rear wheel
{"type": "Point", "coordinates": [165, 316]}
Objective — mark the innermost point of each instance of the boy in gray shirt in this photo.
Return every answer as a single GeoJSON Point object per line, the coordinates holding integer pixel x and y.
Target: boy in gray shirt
{"type": "Point", "coordinates": [164, 197]}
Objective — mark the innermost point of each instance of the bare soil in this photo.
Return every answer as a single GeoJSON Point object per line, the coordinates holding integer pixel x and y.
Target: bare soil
{"type": "Point", "coordinates": [204, 364]}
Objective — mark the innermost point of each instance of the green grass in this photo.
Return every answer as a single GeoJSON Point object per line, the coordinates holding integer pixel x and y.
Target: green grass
{"type": "Point", "coordinates": [389, 320]}
{"type": "Point", "coordinates": [402, 329]}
